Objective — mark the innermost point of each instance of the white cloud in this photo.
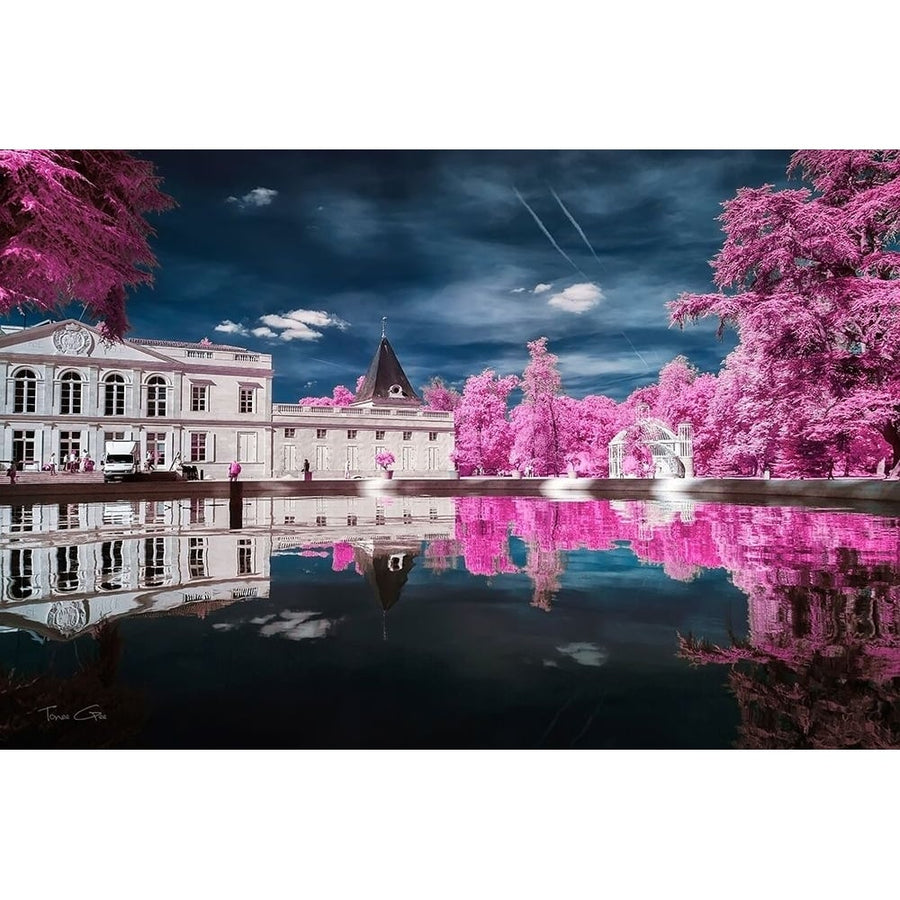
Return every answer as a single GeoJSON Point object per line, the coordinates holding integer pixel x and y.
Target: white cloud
{"type": "Point", "coordinates": [254, 199]}
{"type": "Point", "coordinates": [584, 654]}
{"type": "Point", "coordinates": [297, 626]}
{"type": "Point", "coordinates": [263, 332]}
{"type": "Point", "coordinates": [301, 324]}
{"type": "Point", "coordinates": [577, 298]}
{"type": "Point", "coordinates": [230, 327]}
{"type": "Point", "coordinates": [541, 288]}
{"type": "Point", "coordinates": [517, 291]}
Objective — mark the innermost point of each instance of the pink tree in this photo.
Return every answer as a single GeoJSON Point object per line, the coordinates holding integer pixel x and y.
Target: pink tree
{"type": "Point", "coordinates": [810, 280]}
{"type": "Point", "coordinates": [483, 436]}
{"type": "Point", "coordinates": [537, 433]}
{"type": "Point", "coordinates": [439, 397]}
{"type": "Point", "coordinates": [342, 396]}
{"type": "Point", "coordinates": [72, 228]}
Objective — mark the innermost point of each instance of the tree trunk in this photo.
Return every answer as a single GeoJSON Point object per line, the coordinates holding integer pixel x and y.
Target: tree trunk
{"type": "Point", "coordinates": [890, 433]}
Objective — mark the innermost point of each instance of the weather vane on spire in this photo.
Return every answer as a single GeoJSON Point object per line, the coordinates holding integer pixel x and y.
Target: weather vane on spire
{"type": "Point", "coordinates": [383, 324]}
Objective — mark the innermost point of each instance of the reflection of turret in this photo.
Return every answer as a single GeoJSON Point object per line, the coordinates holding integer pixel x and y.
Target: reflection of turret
{"type": "Point", "coordinates": [386, 568]}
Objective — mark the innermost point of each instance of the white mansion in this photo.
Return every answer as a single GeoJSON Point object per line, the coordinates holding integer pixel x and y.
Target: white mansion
{"type": "Point", "coordinates": [64, 389]}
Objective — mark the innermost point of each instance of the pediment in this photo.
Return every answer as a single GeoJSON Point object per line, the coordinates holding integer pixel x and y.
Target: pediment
{"type": "Point", "coordinates": [70, 339]}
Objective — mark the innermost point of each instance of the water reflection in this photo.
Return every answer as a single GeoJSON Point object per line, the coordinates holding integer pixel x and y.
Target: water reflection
{"type": "Point", "coordinates": [819, 665]}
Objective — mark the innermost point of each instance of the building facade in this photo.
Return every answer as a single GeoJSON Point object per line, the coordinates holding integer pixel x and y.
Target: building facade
{"type": "Point", "coordinates": [387, 415]}
{"type": "Point", "coordinates": [64, 389]}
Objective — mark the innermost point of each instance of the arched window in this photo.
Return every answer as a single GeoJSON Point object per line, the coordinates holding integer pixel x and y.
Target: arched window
{"type": "Point", "coordinates": [24, 391]}
{"type": "Point", "coordinates": [70, 394]}
{"type": "Point", "coordinates": [114, 395]}
{"type": "Point", "coordinates": [156, 396]}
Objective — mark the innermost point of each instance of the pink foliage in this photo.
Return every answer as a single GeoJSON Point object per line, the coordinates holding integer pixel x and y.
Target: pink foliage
{"type": "Point", "coordinates": [72, 228]}
{"type": "Point", "coordinates": [438, 396]}
{"type": "Point", "coordinates": [342, 556]}
{"type": "Point", "coordinates": [538, 430]}
{"type": "Point", "coordinates": [483, 435]}
{"type": "Point", "coordinates": [342, 396]}
{"type": "Point", "coordinates": [385, 459]}
{"type": "Point", "coordinates": [811, 280]}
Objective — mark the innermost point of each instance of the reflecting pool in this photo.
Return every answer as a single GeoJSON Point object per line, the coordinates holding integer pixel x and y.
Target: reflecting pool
{"type": "Point", "coordinates": [473, 622]}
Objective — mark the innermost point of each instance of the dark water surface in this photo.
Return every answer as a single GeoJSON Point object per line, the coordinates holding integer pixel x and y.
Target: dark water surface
{"type": "Point", "coordinates": [382, 622]}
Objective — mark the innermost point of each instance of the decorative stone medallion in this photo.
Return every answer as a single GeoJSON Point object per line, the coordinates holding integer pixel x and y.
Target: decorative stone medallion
{"type": "Point", "coordinates": [67, 617]}
{"type": "Point", "coordinates": [73, 340]}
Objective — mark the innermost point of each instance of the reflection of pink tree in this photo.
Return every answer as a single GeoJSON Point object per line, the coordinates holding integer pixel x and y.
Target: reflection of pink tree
{"type": "Point", "coordinates": [342, 556]}
{"type": "Point", "coordinates": [441, 555]}
{"type": "Point", "coordinates": [544, 568]}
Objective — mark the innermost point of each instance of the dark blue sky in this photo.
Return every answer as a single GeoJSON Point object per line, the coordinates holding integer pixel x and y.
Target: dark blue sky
{"type": "Point", "coordinates": [443, 245]}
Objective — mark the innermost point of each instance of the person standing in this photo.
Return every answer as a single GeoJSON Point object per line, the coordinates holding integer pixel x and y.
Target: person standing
{"type": "Point", "coordinates": [53, 463]}
{"type": "Point", "coordinates": [347, 469]}
{"type": "Point", "coordinates": [307, 475]}
{"type": "Point", "coordinates": [234, 470]}
{"type": "Point", "coordinates": [11, 471]}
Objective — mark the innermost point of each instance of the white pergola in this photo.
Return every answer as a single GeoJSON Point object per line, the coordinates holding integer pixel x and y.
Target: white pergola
{"type": "Point", "coordinates": [673, 453]}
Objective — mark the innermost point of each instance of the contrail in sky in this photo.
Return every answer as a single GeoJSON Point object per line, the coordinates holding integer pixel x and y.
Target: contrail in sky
{"type": "Point", "coordinates": [534, 215]}
{"type": "Point", "coordinates": [638, 355]}
{"type": "Point", "coordinates": [571, 218]}
{"type": "Point", "coordinates": [345, 368]}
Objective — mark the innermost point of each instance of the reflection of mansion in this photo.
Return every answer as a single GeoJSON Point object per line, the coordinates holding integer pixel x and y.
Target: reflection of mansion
{"type": "Point", "coordinates": [65, 568]}
{"type": "Point", "coordinates": [63, 389]}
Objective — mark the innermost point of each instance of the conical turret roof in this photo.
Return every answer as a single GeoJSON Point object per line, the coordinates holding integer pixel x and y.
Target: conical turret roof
{"type": "Point", "coordinates": [386, 382]}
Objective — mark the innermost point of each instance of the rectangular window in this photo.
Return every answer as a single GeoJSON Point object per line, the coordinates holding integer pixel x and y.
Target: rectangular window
{"type": "Point", "coordinates": [23, 446]}
{"type": "Point", "coordinates": [353, 458]}
{"type": "Point", "coordinates": [112, 566]}
{"type": "Point", "coordinates": [21, 518]}
{"type": "Point", "coordinates": [154, 568]}
{"type": "Point", "coordinates": [246, 444]}
{"type": "Point", "coordinates": [156, 448]}
{"type": "Point", "coordinates": [245, 556]}
{"type": "Point", "coordinates": [69, 447]}
{"type": "Point", "coordinates": [351, 521]}
{"type": "Point", "coordinates": [198, 511]}
{"type": "Point", "coordinates": [407, 458]}
{"type": "Point", "coordinates": [321, 433]}
{"type": "Point", "coordinates": [246, 400]}
{"type": "Point", "coordinates": [66, 568]}
{"type": "Point", "coordinates": [321, 520]}
{"type": "Point", "coordinates": [68, 516]}
{"type": "Point", "coordinates": [114, 395]}
{"type": "Point", "coordinates": [407, 435]}
{"type": "Point", "coordinates": [379, 449]}
{"type": "Point", "coordinates": [432, 459]}
{"type": "Point", "coordinates": [114, 436]}
{"type": "Point", "coordinates": [322, 461]}
{"type": "Point", "coordinates": [21, 572]}
{"type": "Point", "coordinates": [198, 446]}
{"type": "Point", "coordinates": [379, 436]}
{"type": "Point", "coordinates": [290, 432]}
{"type": "Point", "coordinates": [197, 557]}
{"type": "Point", "coordinates": [156, 396]}
{"type": "Point", "coordinates": [25, 392]}
{"type": "Point", "coordinates": [290, 520]}
{"type": "Point", "coordinates": [351, 434]}
{"type": "Point", "coordinates": [199, 398]}
{"type": "Point", "coordinates": [432, 435]}
{"type": "Point", "coordinates": [70, 394]}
